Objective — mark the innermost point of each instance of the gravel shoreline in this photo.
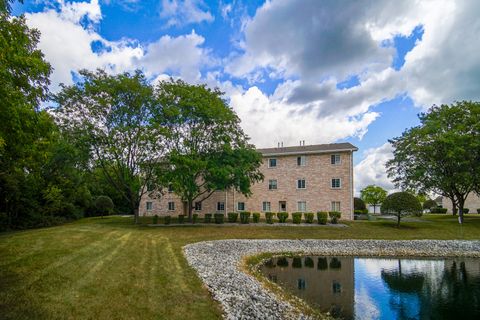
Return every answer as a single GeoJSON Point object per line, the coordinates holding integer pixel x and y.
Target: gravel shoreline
{"type": "Point", "coordinates": [243, 297]}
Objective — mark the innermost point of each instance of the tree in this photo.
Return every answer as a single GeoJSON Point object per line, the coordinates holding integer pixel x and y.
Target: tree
{"type": "Point", "coordinates": [208, 150]}
{"type": "Point", "coordinates": [427, 205]}
{"type": "Point", "coordinates": [401, 204]}
{"type": "Point", "coordinates": [104, 205]}
{"type": "Point", "coordinates": [373, 195]}
{"type": "Point", "coordinates": [441, 155]}
{"type": "Point", "coordinates": [359, 204]}
{"type": "Point", "coordinates": [113, 117]}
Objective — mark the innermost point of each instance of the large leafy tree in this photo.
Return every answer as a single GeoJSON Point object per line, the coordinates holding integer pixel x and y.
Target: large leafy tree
{"type": "Point", "coordinates": [111, 117]}
{"type": "Point", "coordinates": [441, 155]}
{"type": "Point", "coordinates": [208, 150]}
{"type": "Point", "coordinates": [373, 195]}
{"type": "Point", "coordinates": [401, 204]}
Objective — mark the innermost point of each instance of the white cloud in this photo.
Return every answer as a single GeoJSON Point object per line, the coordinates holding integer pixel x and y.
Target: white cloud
{"type": "Point", "coordinates": [371, 170]}
{"type": "Point", "coordinates": [180, 12]}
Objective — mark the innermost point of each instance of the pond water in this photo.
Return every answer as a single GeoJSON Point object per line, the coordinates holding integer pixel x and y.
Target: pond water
{"type": "Point", "coordinates": [382, 288]}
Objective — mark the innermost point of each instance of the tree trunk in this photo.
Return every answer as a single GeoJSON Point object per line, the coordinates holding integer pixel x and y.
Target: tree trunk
{"type": "Point", "coordinates": [454, 207]}
{"type": "Point", "coordinates": [135, 214]}
{"type": "Point", "coordinates": [190, 209]}
{"type": "Point", "coordinates": [374, 209]}
{"type": "Point", "coordinates": [461, 203]}
{"type": "Point", "coordinates": [399, 215]}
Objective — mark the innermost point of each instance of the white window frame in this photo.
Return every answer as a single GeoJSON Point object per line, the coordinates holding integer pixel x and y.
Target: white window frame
{"type": "Point", "coordinates": [149, 205]}
{"type": "Point", "coordinates": [301, 204]}
{"type": "Point", "coordinates": [271, 185]}
{"type": "Point", "coordinates": [303, 161]}
{"type": "Point", "coordinates": [219, 205]}
{"type": "Point", "coordinates": [238, 206]}
{"type": "Point", "coordinates": [335, 206]}
{"type": "Point", "coordinates": [198, 206]}
{"type": "Point", "coordinates": [334, 158]}
{"type": "Point", "coordinates": [266, 206]}
{"type": "Point", "coordinates": [304, 183]}
{"type": "Point", "coordinates": [269, 162]}
{"type": "Point", "coordinates": [339, 183]}
{"type": "Point", "coordinates": [171, 206]}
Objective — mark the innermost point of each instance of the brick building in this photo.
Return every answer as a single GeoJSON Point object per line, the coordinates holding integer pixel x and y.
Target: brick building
{"type": "Point", "coordinates": [302, 178]}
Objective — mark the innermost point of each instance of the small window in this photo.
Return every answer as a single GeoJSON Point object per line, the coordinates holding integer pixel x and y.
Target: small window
{"type": "Point", "coordinates": [149, 205]}
{"type": "Point", "coordinates": [336, 287]}
{"type": "Point", "coordinates": [272, 163]}
{"type": "Point", "coordinates": [336, 183]}
{"type": "Point", "coordinates": [301, 184]}
{"type": "Point", "coordinates": [336, 206]}
{"type": "Point", "coordinates": [171, 206]}
{"type": "Point", "coordinates": [301, 161]}
{"type": "Point", "coordinates": [198, 206]}
{"type": "Point", "coordinates": [335, 159]}
{"type": "Point", "coordinates": [302, 206]}
{"type": "Point", "coordinates": [170, 188]}
{"type": "Point", "coordinates": [241, 206]}
{"type": "Point", "coordinates": [272, 184]}
{"type": "Point", "coordinates": [266, 206]}
{"type": "Point", "coordinates": [301, 284]}
{"type": "Point", "coordinates": [220, 206]}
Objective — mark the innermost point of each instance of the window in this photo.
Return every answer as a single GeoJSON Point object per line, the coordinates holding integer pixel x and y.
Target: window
{"type": "Point", "coordinates": [149, 206]}
{"type": "Point", "coordinates": [302, 206]}
{"type": "Point", "coordinates": [336, 183]}
{"type": "Point", "coordinates": [266, 206]}
{"type": "Point", "coordinates": [301, 160]}
{"type": "Point", "coordinates": [335, 159]}
{"type": "Point", "coordinates": [198, 206]}
{"type": "Point", "coordinates": [171, 206]}
{"type": "Point", "coordinates": [241, 206]}
{"type": "Point", "coordinates": [272, 163]}
{"type": "Point", "coordinates": [220, 206]}
{"type": "Point", "coordinates": [301, 184]}
{"type": "Point", "coordinates": [301, 284]}
{"type": "Point", "coordinates": [272, 184]}
{"type": "Point", "coordinates": [336, 206]}
{"type": "Point", "coordinates": [170, 188]}
{"type": "Point", "coordinates": [336, 287]}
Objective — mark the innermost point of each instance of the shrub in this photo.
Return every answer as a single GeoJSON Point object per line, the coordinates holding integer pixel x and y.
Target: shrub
{"type": "Point", "coordinates": [322, 264]}
{"type": "Point", "coordinates": [335, 263]}
{"type": "Point", "coordinates": [309, 217]}
{"type": "Point", "coordinates": [359, 204]}
{"type": "Point", "coordinates": [360, 211]}
{"type": "Point", "coordinates": [155, 219]}
{"type": "Point", "coordinates": [309, 262]}
{"type": "Point", "coordinates": [104, 205]}
{"type": "Point", "coordinates": [245, 217]}
{"type": "Point", "coordinates": [429, 204]}
{"type": "Point", "coordinates": [401, 204]}
{"type": "Point", "coordinates": [322, 217]}
{"type": "Point", "coordinates": [194, 218]}
{"type": "Point", "coordinates": [478, 210]}
{"type": "Point", "coordinates": [282, 217]}
{"type": "Point", "coordinates": [438, 210]}
{"type": "Point", "coordinates": [297, 262]}
{"type": "Point", "coordinates": [181, 218]}
{"type": "Point", "coordinates": [218, 218]}
{"type": "Point", "coordinates": [297, 217]}
{"type": "Point", "coordinates": [466, 210]}
{"type": "Point", "coordinates": [282, 262]}
{"type": "Point", "coordinates": [166, 220]}
{"type": "Point", "coordinates": [256, 217]}
{"type": "Point", "coordinates": [208, 218]}
{"type": "Point", "coordinates": [334, 216]}
{"type": "Point", "coordinates": [232, 217]}
{"type": "Point", "coordinates": [269, 217]}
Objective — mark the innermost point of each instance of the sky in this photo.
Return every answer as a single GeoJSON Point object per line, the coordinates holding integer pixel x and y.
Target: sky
{"type": "Point", "coordinates": [320, 71]}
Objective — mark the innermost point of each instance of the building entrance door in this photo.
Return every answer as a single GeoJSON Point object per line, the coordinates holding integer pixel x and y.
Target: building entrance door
{"type": "Point", "coordinates": [282, 206]}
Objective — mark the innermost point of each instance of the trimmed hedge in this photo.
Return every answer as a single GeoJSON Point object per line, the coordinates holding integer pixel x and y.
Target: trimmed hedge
{"type": "Point", "coordinates": [232, 217]}
{"type": "Point", "coordinates": [245, 217]}
{"type": "Point", "coordinates": [269, 217]}
{"type": "Point", "coordinates": [466, 210]}
{"type": "Point", "coordinates": [322, 217]}
{"type": "Point", "coordinates": [478, 210]}
{"type": "Point", "coordinates": [194, 218]}
{"type": "Point", "coordinates": [218, 218]}
{"type": "Point", "coordinates": [438, 210]}
{"type": "Point", "coordinates": [256, 217]}
{"type": "Point", "coordinates": [334, 216]}
{"type": "Point", "coordinates": [167, 219]}
{"type": "Point", "coordinates": [282, 217]}
{"type": "Point", "coordinates": [365, 211]}
{"type": "Point", "coordinates": [155, 219]}
{"type": "Point", "coordinates": [297, 217]}
{"type": "Point", "coordinates": [309, 216]}
{"type": "Point", "coordinates": [181, 218]}
{"type": "Point", "coordinates": [208, 218]}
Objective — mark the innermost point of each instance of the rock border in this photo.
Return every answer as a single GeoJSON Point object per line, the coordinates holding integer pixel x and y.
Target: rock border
{"type": "Point", "coordinates": [243, 297]}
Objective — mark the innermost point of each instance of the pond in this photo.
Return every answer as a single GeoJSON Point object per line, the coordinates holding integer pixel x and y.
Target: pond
{"type": "Point", "coordinates": [382, 288]}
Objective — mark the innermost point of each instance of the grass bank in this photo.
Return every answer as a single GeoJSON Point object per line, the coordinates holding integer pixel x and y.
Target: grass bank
{"type": "Point", "coordinates": [110, 268]}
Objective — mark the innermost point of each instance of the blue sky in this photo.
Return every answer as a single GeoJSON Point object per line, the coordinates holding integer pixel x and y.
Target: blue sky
{"type": "Point", "coordinates": [318, 71]}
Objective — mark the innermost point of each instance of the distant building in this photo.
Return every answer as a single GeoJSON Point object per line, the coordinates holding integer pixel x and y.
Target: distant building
{"type": "Point", "coordinates": [302, 178]}
{"type": "Point", "coordinates": [472, 202]}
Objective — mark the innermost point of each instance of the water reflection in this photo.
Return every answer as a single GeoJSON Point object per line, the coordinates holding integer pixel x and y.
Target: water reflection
{"type": "Point", "coordinates": [375, 288]}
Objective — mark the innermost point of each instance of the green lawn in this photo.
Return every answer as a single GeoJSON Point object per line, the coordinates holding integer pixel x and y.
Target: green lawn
{"type": "Point", "coordinates": [109, 268]}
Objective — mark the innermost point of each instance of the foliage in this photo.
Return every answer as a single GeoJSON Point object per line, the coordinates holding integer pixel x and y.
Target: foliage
{"type": "Point", "coordinates": [167, 219]}
{"type": "Point", "coordinates": [373, 195]}
{"type": "Point", "coordinates": [155, 219]}
{"type": "Point", "coordinates": [208, 218]}
{"type": "Point", "coordinates": [478, 210]}
{"type": "Point", "coordinates": [104, 205]}
{"type": "Point", "coordinates": [244, 216]}
{"type": "Point", "coordinates": [218, 218]}
{"type": "Point", "coordinates": [334, 216]}
{"type": "Point", "coordinates": [269, 217]}
{"type": "Point", "coordinates": [438, 210]}
{"type": "Point", "coordinates": [428, 204]}
{"type": "Point", "coordinates": [359, 204]}
{"type": "Point", "coordinates": [360, 211]}
{"type": "Point", "coordinates": [322, 217]}
{"type": "Point", "coordinates": [296, 217]}
{"type": "Point", "coordinates": [296, 262]}
{"type": "Point", "coordinates": [442, 154]}
{"type": "Point", "coordinates": [232, 217]}
{"type": "Point", "coordinates": [309, 262]}
{"type": "Point", "coordinates": [181, 218]}
{"type": "Point", "coordinates": [466, 210]}
{"type": "Point", "coordinates": [256, 217]}
{"type": "Point", "coordinates": [282, 217]}
{"type": "Point", "coordinates": [401, 204]}
{"type": "Point", "coordinates": [309, 216]}
{"type": "Point", "coordinates": [194, 218]}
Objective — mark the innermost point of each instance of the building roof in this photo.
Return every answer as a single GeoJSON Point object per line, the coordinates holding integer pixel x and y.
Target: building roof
{"type": "Point", "coordinates": [309, 149]}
